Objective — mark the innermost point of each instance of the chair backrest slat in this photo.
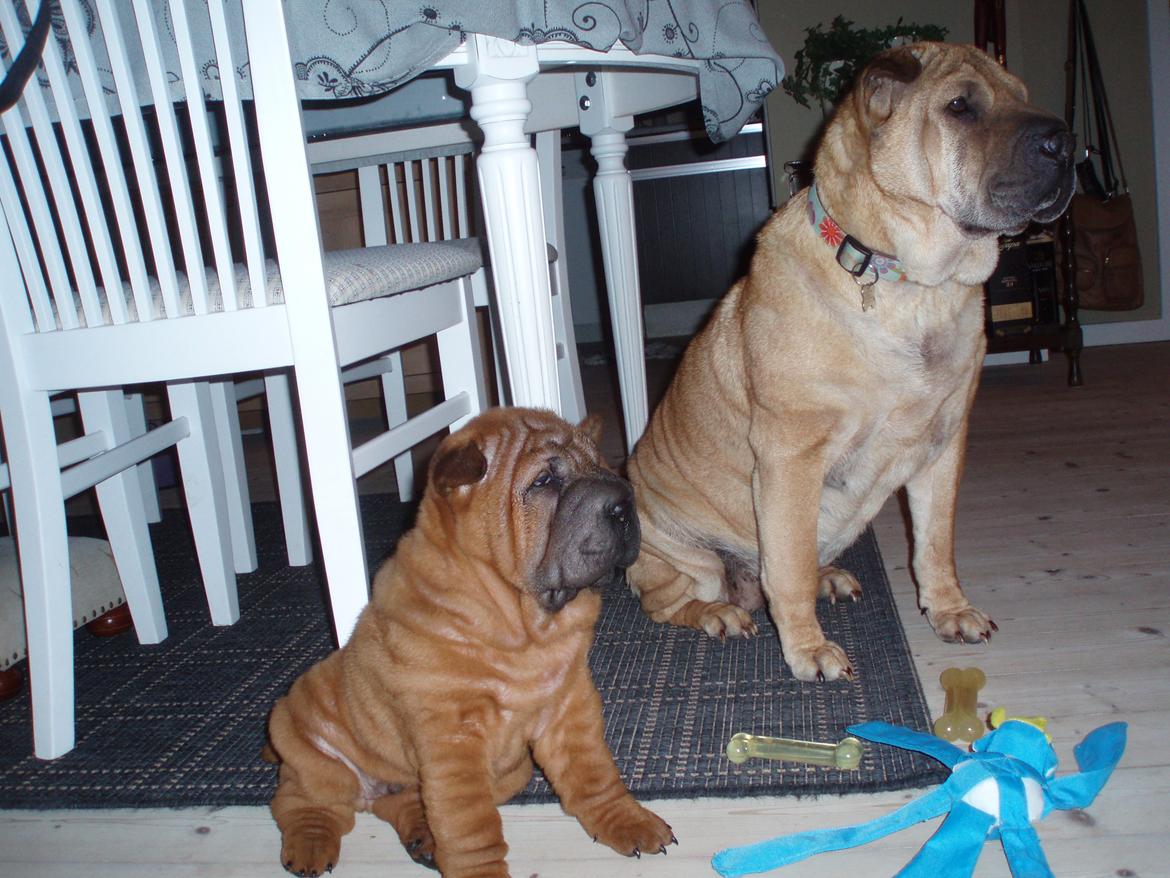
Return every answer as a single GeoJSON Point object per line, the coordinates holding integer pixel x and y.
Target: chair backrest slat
{"type": "Point", "coordinates": [215, 216]}
{"type": "Point", "coordinates": [396, 215]}
{"type": "Point", "coordinates": [412, 212]}
{"type": "Point", "coordinates": [59, 189]}
{"type": "Point", "coordinates": [464, 230]}
{"type": "Point", "coordinates": [372, 207]}
{"type": "Point", "coordinates": [42, 218]}
{"type": "Point", "coordinates": [83, 166]}
{"type": "Point", "coordinates": [428, 193]}
{"type": "Point", "coordinates": [430, 210]}
{"type": "Point", "coordinates": [140, 153]}
{"type": "Point", "coordinates": [245, 185]}
{"type": "Point", "coordinates": [26, 255]}
{"type": "Point", "coordinates": [445, 206]}
{"type": "Point", "coordinates": [175, 165]}
{"type": "Point", "coordinates": [111, 158]}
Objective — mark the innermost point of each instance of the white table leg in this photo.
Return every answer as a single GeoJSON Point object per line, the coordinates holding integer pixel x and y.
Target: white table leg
{"type": "Point", "coordinates": [614, 193]}
{"type": "Point", "coordinates": [510, 191]}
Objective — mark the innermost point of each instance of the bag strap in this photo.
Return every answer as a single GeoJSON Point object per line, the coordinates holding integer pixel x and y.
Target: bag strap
{"type": "Point", "coordinates": [22, 69]}
{"type": "Point", "coordinates": [1102, 118]}
{"type": "Point", "coordinates": [1070, 68]}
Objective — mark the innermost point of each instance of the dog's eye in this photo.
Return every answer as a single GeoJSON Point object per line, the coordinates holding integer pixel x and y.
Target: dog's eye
{"type": "Point", "coordinates": [959, 106]}
{"type": "Point", "coordinates": [545, 478]}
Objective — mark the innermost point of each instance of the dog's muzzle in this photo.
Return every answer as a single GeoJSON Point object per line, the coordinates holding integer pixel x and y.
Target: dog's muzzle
{"type": "Point", "coordinates": [1040, 181]}
{"type": "Point", "coordinates": [594, 536]}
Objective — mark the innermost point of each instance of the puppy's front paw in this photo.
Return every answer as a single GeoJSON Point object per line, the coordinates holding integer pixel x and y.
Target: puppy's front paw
{"type": "Point", "coordinates": [311, 850]}
{"type": "Point", "coordinates": [965, 625]}
{"type": "Point", "coordinates": [632, 830]}
{"type": "Point", "coordinates": [817, 664]}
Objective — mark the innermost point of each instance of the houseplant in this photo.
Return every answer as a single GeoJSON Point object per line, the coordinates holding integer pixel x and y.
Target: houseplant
{"type": "Point", "coordinates": [829, 61]}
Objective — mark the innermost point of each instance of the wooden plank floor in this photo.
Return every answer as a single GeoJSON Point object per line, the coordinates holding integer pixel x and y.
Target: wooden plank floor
{"type": "Point", "coordinates": [1064, 537]}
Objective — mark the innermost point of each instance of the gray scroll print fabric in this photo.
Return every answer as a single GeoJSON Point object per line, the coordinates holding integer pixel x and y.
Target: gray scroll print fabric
{"type": "Point", "coordinates": [357, 48]}
{"type": "Point", "coordinates": [374, 46]}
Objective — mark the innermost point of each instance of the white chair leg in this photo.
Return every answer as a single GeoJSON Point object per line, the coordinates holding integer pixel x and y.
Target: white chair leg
{"type": "Point", "coordinates": [282, 430]}
{"type": "Point", "coordinates": [136, 413]}
{"type": "Point", "coordinates": [235, 474]}
{"type": "Point", "coordinates": [120, 500]}
{"type": "Point", "coordinates": [509, 185]}
{"type": "Point", "coordinates": [394, 392]}
{"type": "Point", "coordinates": [480, 289]}
{"type": "Point", "coordinates": [44, 570]}
{"type": "Point", "coordinates": [461, 359]}
{"type": "Point", "coordinates": [614, 194]}
{"type": "Point", "coordinates": [548, 156]}
{"type": "Point", "coordinates": [335, 502]}
{"type": "Point", "coordinates": [203, 486]}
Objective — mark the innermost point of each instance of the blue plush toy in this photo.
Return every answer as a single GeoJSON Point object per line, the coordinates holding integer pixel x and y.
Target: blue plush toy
{"type": "Point", "coordinates": [997, 791]}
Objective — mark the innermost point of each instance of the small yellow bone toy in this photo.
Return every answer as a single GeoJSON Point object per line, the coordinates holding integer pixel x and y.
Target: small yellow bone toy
{"type": "Point", "coordinates": [999, 716]}
{"type": "Point", "coordinates": [959, 719]}
{"type": "Point", "coordinates": [844, 754]}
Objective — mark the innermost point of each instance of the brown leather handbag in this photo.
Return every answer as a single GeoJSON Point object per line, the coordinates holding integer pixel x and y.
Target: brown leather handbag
{"type": "Point", "coordinates": [1107, 262]}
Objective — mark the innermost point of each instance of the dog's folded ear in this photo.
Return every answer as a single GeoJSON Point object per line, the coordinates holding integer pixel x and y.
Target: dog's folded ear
{"type": "Point", "coordinates": [455, 465]}
{"type": "Point", "coordinates": [593, 426]}
{"type": "Point", "coordinates": [883, 79]}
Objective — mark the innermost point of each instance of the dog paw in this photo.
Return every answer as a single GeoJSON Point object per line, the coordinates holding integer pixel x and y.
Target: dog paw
{"type": "Point", "coordinates": [422, 851]}
{"type": "Point", "coordinates": [838, 585]}
{"type": "Point", "coordinates": [632, 830]}
{"type": "Point", "coordinates": [726, 620]}
{"type": "Point", "coordinates": [966, 625]}
{"type": "Point", "coordinates": [311, 855]}
{"type": "Point", "coordinates": [818, 664]}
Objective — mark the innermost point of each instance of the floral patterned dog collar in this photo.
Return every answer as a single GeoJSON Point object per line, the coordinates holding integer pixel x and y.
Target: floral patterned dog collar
{"type": "Point", "coordinates": [866, 266]}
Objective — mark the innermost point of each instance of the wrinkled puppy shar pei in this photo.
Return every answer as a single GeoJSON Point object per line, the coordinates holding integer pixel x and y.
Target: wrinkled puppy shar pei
{"type": "Point", "coordinates": [843, 366]}
{"type": "Point", "coordinates": [470, 662]}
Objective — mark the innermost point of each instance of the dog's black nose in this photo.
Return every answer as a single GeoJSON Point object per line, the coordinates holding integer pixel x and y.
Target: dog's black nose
{"type": "Point", "coordinates": [1055, 144]}
{"type": "Point", "coordinates": [620, 511]}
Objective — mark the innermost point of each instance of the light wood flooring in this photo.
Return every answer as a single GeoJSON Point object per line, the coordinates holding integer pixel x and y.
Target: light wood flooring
{"type": "Point", "coordinates": [1063, 537]}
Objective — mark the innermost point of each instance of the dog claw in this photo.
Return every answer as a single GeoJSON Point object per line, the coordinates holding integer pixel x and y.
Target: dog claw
{"type": "Point", "coordinates": [991, 622]}
{"type": "Point", "coordinates": [673, 840]}
{"type": "Point", "coordinates": [637, 853]}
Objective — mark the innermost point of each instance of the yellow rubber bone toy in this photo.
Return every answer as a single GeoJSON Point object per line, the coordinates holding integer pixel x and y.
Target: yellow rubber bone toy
{"type": "Point", "coordinates": [959, 719]}
{"type": "Point", "coordinates": [844, 754]}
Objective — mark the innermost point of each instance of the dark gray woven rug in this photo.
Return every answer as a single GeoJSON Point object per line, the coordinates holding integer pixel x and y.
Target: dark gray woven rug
{"type": "Point", "coordinates": [182, 723]}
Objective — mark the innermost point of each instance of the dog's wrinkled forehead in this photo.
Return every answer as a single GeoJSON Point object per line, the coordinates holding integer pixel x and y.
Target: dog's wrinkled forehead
{"type": "Point", "coordinates": [508, 444]}
{"type": "Point", "coordinates": [948, 70]}
{"type": "Point", "coordinates": [566, 449]}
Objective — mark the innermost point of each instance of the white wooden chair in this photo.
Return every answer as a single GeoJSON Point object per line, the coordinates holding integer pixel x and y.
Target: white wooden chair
{"type": "Point", "coordinates": [126, 259]}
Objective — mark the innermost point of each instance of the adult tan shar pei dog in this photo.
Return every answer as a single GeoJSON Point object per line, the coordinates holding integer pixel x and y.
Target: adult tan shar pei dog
{"type": "Point", "coordinates": [843, 367]}
{"type": "Point", "coordinates": [469, 663]}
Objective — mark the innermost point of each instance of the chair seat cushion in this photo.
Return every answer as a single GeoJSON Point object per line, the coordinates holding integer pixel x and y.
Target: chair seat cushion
{"type": "Point", "coordinates": [356, 275]}
{"type": "Point", "coordinates": [97, 589]}
{"type": "Point", "coordinates": [371, 272]}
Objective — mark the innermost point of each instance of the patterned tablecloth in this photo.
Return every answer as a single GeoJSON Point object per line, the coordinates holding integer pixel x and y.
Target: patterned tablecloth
{"type": "Point", "coordinates": [358, 48]}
